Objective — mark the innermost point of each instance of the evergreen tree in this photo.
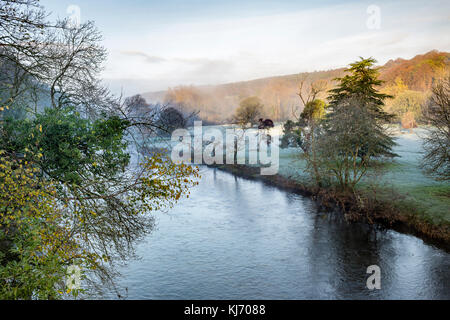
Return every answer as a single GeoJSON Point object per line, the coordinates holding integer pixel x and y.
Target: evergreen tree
{"type": "Point", "coordinates": [360, 85]}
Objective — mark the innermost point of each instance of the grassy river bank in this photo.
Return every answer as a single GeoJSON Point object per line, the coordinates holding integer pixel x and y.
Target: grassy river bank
{"type": "Point", "coordinates": [397, 196]}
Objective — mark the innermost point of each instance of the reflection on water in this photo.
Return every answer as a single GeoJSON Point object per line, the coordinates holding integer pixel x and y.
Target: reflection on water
{"type": "Point", "coordinates": [241, 239]}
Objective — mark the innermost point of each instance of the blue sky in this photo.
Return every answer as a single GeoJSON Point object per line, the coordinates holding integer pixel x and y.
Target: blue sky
{"type": "Point", "coordinates": [157, 44]}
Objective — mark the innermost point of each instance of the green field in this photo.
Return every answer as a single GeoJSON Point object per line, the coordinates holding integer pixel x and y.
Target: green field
{"type": "Point", "coordinates": [403, 176]}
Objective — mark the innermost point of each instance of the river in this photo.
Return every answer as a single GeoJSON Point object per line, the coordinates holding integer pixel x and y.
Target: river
{"type": "Point", "coordinates": [241, 239]}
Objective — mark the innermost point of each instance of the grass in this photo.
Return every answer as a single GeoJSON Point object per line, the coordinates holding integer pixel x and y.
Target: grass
{"type": "Point", "coordinates": [402, 180]}
{"type": "Point", "coordinates": [431, 202]}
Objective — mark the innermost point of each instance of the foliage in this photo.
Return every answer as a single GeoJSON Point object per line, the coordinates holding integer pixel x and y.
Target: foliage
{"type": "Point", "coordinates": [395, 88]}
{"type": "Point", "coordinates": [360, 84]}
{"type": "Point", "coordinates": [291, 135]}
{"type": "Point", "coordinates": [359, 87]}
{"type": "Point", "coordinates": [135, 105]}
{"type": "Point", "coordinates": [79, 154]}
{"type": "Point", "coordinates": [351, 127]}
{"type": "Point", "coordinates": [408, 120]}
{"type": "Point", "coordinates": [408, 103]}
{"type": "Point", "coordinates": [417, 73]}
{"type": "Point", "coordinates": [436, 160]}
{"type": "Point", "coordinates": [71, 147]}
{"type": "Point", "coordinates": [162, 183]}
{"type": "Point", "coordinates": [314, 110]}
{"type": "Point", "coordinates": [249, 111]}
{"type": "Point", "coordinates": [41, 233]}
{"type": "Point", "coordinates": [36, 243]}
{"type": "Point", "coordinates": [339, 145]}
{"type": "Point", "coordinates": [280, 94]}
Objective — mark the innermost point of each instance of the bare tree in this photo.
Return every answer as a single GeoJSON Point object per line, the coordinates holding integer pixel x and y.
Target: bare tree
{"type": "Point", "coordinates": [73, 61]}
{"type": "Point", "coordinates": [21, 45]}
{"type": "Point", "coordinates": [350, 128]}
{"type": "Point", "coordinates": [436, 161]}
{"type": "Point", "coordinates": [309, 91]}
{"type": "Point", "coordinates": [54, 60]}
{"type": "Point", "coordinates": [171, 118]}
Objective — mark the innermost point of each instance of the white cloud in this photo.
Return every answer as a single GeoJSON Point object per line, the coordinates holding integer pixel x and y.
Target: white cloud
{"type": "Point", "coordinates": [233, 49]}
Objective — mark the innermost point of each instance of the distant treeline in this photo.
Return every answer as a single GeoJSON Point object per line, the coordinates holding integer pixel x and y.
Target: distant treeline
{"type": "Point", "coordinates": [408, 80]}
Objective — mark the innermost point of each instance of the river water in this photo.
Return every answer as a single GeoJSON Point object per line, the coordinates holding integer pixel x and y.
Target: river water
{"type": "Point", "coordinates": [241, 239]}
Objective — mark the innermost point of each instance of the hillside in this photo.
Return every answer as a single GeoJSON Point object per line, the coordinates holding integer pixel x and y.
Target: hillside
{"type": "Point", "coordinates": [279, 94]}
{"type": "Point", "coordinates": [417, 73]}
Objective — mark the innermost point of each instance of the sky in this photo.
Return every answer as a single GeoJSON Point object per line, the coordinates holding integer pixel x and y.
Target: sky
{"type": "Point", "coordinates": [154, 45]}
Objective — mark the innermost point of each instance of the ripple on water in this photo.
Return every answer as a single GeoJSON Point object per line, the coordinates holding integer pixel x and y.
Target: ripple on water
{"type": "Point", "coordinates": [240, 239]}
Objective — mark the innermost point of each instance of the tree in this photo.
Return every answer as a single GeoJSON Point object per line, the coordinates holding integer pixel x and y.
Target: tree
{"type": "Point", "coordinates": [408, 105]}
{"type": "Point", "coordinates": [309, 129]}
{"type": "Point", "coordinates": [397, 87]}
{"type": "Point", "coordinates": [309, 91]}
{"type": "Point", "coordinates": [135, 105]}
{"type": "Point", "coordinates": [88, 163]}
{"type": "Point", "coordinates": [436, 160]}
{"type": "Point", "coordinates": [21, 46]}
{"type": "Point", "coordinates": [34, 243]}
{"type": "Point", "coordinates": [313, 111]}
{"type": "Point", "coordinates": [303, 132]}
{"type": "Point", "coordinates": [359, 86]}
{"type": "Point", "coordinates": [347, 130]}
{"type": "Point", "coordinates": [74, 62]}
{"type": "Point", "coordinates": [249, 111]}
{"type": "Point", "coordinates": [79, 142]}
{"type": "Point", "coordinates": [408, 120]}
{"type": "Point", "coordinates": [170, 119]}
{"type": "Point", "coordinates": [50, 60]}
{"type": "Point", "coordinates": [291, 135]}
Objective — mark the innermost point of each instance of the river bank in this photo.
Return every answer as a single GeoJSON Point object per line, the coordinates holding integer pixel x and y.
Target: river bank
{"type": "Point", "coordinates": [361, 207]}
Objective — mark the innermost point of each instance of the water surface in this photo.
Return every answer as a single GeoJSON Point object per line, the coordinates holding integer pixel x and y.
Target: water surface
{"type": "Point", "coordinates": [241, 239]}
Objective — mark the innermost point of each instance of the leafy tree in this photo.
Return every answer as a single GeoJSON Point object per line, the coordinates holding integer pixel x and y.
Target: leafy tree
{"type": "Point", "coordinates": [436, 161]}
{"type": "Point", "coordinates": [135, 105]}
{"type": "Point", "coordinates": [35, 244]}
{"type": "Point", "coordinates": [78, 150]}
{"type": "Point", "coordinates": [310, 128]}
{"type": "Point", "coordinates": [291, 135]}
{"type": "Point", "coordinates": [303, 133]}
{"type": "Point", "coordinates": [249, 111]}
{"type": "Point", "coordinates": [72, 147]}
{"type": "Point", "coordinates": [313, 111]}
{"type": "Point", "coordinates": [396, 88]}
{"type": "Point", "coordinates": [408, 103]}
